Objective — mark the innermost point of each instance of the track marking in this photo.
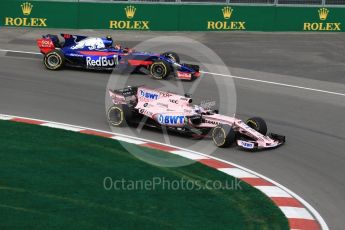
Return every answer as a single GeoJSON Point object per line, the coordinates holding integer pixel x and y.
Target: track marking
{"type": "Point", "coordinates": [236, 172]}
{"type": "Point", "coordinates": [230, 76]}
{"type": "Point", "coordinates": [276, 83]}
{"type": "Point", "coordinates": [273, 191]}
{"type": "Point", "coordinates": [62, 126]}
{"type": "Point", "coordinates": [129, 140]}
{"type": "Point", "coordinates": [189, 155]}
{"type": "Point", "coordinates": [292, 212]}
{"type": "Point", "coordinates": [18, 51]}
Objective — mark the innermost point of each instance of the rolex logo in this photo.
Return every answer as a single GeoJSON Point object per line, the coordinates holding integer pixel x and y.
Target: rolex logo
{"type": "Point", "coordinates": [322, 26]}
{"type": "Point", "coordinates": [130, 11]}
{"type": "Point", "coordinates": [26, 8]}
{"type": "Point", "coordinates": [323, 13]}
{"type": "Point", "coordinates": [25, 21]}
{"type": "Point", "coordinates": [226, 24]}
{"type": "Point", "coordinates": [129, 24]}
{"type": "Point", "coordinates": [227, 12]}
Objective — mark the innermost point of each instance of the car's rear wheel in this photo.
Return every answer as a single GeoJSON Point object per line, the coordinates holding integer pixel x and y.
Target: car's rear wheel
{"type": "Point", "coordinates": [172, 56]}
{"type": "Point", "coordinates": [160, 69]}
{"type": "Point", "coordinates": [119, 115]}
{"type": "Point", "coordinates": [54, 60]}
{"type": "Point", "coordinates": [258, 124]}
{"type": "Point", "coordinates": [223, 135]}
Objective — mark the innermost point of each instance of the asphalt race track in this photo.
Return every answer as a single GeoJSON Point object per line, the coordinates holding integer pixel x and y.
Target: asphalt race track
{"type": "Point", "coordinates": [312, 161]}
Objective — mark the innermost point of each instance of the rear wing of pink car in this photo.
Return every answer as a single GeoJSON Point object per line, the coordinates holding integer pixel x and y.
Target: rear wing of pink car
{"type": "Point", "coordinates": [123, 96]}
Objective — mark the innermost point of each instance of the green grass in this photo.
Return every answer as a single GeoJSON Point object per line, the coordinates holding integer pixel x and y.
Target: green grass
{"type": "Point", "coordinates": [53, 179]}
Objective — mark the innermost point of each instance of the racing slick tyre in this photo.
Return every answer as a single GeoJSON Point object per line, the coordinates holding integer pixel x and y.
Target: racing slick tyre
{"type": "Point", "coordinates": [258, 124]}
{"type": "Point", "coordinates": [54, 60]}
{"type": "Point", "coordinates": [160, 69]}
{"type": "Point", "coordinates": [119, 115]}
{"type": "Point", "coordinates": [223, 135]}
{"type": "Point", "coordinates": [172, 56]}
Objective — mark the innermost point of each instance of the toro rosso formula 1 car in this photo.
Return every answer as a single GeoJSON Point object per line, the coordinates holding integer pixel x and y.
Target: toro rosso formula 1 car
{"type": "Point", "coordinates": [100, 54]}
{"type": "Point", "coordinates": [174, 112]}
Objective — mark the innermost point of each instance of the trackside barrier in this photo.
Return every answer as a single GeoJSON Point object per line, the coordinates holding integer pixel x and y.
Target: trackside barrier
{"type": "Point", "coordinates": [170, 17]}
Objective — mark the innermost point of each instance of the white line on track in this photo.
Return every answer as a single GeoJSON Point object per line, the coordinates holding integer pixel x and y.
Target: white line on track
{"type": "Point", "coordinates": [230, 76]}
{"type": "Point", "coordinates": [276, 83]}
{"type": "Point", "coordinates": [18, 51]}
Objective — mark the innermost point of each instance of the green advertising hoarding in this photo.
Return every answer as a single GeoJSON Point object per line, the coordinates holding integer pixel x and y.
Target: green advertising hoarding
{"type": "Point", "coordinates": [309, 19]}
{"type": "Point", "coordinates": [38, 14]}
{"type": "Point", "coordinates": [227, 18]}
{"type": "Point", "coordinates": [169, 17]}
{"type": "Point", "coordinates": [134, 17]}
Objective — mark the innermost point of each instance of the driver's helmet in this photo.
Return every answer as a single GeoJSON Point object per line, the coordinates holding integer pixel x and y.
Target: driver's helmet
{"type": "Point", "coordinates": [108, 41]}
{"type": "Point", "coordinates": [197, 109]}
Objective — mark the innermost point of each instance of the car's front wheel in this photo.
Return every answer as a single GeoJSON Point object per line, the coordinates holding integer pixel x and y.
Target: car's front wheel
{"type": "Point", "coordinates": [160, 69]}
{"type": "Point", "coordinates": [54, 60]}
{"type": "Point", "coordinates": [258, 124]}
{"type": "Point", "coordinates": [223, 135]}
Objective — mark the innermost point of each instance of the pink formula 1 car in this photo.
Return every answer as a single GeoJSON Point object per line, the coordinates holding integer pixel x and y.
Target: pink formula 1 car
{"type": "Point", "coordinates": [133, 105]}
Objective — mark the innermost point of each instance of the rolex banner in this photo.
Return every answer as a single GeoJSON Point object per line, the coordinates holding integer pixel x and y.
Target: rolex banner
{"type": "Point", "coordinates": [130, 16]}
{"type": "Point", "coordinates": [227, 18]}
{"type": "Point", "coordinates": [169, 17]}
{"type": "Point", "coordinates": [319, 19]}
{"type": "Point", "coordinates": [38, 14]}
{"type": "Point", "coordinates": [178, 17]}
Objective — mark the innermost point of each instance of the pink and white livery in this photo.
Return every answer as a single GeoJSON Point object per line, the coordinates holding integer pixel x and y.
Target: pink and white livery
{"type": "Point", "coordinates": [133, 105]}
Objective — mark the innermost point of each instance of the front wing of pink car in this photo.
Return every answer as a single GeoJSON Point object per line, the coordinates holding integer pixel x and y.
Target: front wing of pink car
{"type": "Point", "coordinates": [271, 141]}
